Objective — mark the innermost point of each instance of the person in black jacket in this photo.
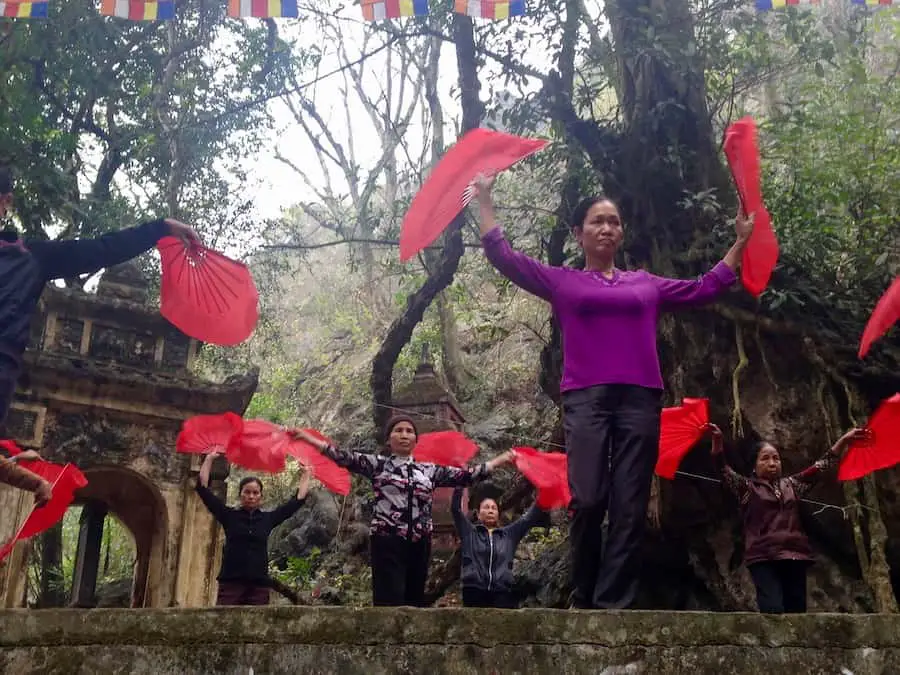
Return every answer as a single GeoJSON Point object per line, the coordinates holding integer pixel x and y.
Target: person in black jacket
{"type": "Point", "coordinates": [244, 577]}
{"type": "Point", "coordinates": [488, 551]}
{"type": "Point", "coordinates": [27, 265]}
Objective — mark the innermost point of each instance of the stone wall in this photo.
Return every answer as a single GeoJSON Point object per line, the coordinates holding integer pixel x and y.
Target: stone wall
{"type": "Point", "coordinates": [443, 642]}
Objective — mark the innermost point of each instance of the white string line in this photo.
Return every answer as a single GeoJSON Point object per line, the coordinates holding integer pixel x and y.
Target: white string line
{"type": "Point", "coordinates": [823, 506]}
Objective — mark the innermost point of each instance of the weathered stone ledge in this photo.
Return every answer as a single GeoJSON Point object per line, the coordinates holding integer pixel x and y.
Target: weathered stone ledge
{"type": "Point", "coordinates": [382, 640]}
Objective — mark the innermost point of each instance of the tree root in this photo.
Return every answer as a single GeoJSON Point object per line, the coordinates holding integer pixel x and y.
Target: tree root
{"type": "Point", "coordinates": [737, 425]}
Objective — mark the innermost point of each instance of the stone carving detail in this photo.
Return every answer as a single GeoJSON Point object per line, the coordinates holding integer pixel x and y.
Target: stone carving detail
{"type": "Point", "coordinates": [22, 424]}
{"type": "Point", "coordinates": [91, 440]}
{"type": "Point", "coordinates": [175, 351]}
{"type": "Point", "coordinates": [122, 346]}
{"type": "Point", "coordinates": [68, 335]}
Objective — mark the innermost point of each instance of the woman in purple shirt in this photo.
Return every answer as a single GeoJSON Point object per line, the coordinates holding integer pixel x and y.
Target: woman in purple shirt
{"type": "Point", "coordinates": [611, 384]}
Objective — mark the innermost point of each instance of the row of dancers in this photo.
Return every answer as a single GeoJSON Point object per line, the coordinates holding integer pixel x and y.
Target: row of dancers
{"type": "Point", "coordinates": [611, 392]}
{"type": "Point", "coordinates": [777, 552]}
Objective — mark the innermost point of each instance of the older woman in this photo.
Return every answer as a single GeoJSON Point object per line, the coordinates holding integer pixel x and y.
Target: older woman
{"type": "Point", "coordinates": [488, 550]}
{"type": "Point", "coordinates": [244, 577]}
{"type": "Point", "coordinates": [401, 520]}
{"type": "Point", "coordinates": [776, 550]}
{"type": "Point", "coordinates": [611, 384]}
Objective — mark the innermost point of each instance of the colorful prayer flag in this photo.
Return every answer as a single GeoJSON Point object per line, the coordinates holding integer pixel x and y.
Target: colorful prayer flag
{"type": "Point", "coordinates": [374, 10]}
{"type": "Point", "coordinates": [262, 9]}
{"type": "Point", "coordinates": [763, 5]}
{"type": "Point", "coordinates": [23, 10]}
{"type": "Point", "coordinates": [139, 10]}
{"type": "Point", "coordinates": [874, 3]}
{"type": "Point", "coordinates": [491, 9]}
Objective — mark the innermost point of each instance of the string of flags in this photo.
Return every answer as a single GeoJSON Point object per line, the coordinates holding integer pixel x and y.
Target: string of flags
{"type": "Point", "coordinates": [23, 10]}
{"type": "Point", "coordinates": [139, 10]}
{"type": "Point", "coordinates": [372, 10]}
{"type": "Point", "coordinates": [263, 9]}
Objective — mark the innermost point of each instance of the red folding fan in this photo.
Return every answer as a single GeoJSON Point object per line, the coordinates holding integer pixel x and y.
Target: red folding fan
{"type": "Point", "coordinates": [446, 191]}
{"type": "Point", "coordinates": [65, 481]}
{"type": "Point", "coordinates": [885, 314]}
{"type": "Point", "coordinates": [206, 295]}
{"type": "Point", "coordinates": [209, 433]}
{"type": "Point", "coordinates": [881, 450]}
{"type": "Point", "coordinates": [680, 429]}
{"type": "Point", "coordinates": [446, 448]}
{"type": "Point", "coordinates": [261, 446]}
{"type": "Point", "coordinates": [333, 477]}
{"type": "Point", "coordinates": [761, 252]}
{"type": "Point", "coordinates": [548, 472]}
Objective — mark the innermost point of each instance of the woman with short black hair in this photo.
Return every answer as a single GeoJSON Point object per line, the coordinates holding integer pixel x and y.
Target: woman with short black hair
{"type": "Point", "coordinates": [244, 577]}
{"type": "Point", "coordinates": [611, 384]}
{"type": "Point", "coordinates": [488, 551]}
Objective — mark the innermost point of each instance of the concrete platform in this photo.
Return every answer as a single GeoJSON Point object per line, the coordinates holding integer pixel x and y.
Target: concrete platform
{"type": "Point", "coordinates": [265, 641]}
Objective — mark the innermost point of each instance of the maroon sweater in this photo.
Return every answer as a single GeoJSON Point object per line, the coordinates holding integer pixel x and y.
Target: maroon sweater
{"type": "Point", "coordinates": [771, 514]}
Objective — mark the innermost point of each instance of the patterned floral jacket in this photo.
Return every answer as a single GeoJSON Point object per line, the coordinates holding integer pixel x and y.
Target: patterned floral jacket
{"type": "Point", "coordinates": [404, 489]}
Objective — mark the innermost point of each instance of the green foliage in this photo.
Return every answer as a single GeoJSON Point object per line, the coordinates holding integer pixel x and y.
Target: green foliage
{"type": "Point", "coordinates": [106, 121]}
{"type": "Point", "coordinates": [118, 556]}
{"type": "Point", "coordinates": [299, 572]}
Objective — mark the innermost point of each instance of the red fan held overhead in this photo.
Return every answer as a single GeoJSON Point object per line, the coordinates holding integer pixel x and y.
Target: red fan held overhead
{"type": "Point", "coordinates": [885, 315]}
{"type": "Point", "coordinates": [881, 450]}
{"type": "Point", "coordinates": [548, 472]}
{"type": "Point", "coordinates": [333, 477]}
{"type": "Point", "coordinates": [209, 433]}
{"type": "Point", "coordinates": [261, 446]}
{"type": "Point", "coordinates": [206, 295]}
{"type": "Point", "coordinates": [680, 429]}
{"type": "Point", "coordinates": [447, 448]}
{"type": "Point", "coordinates": [446, 191]}
{"type": "Point", "coordinates": [761, 252]}
{"type": "Point", "coordinates": [65, 481]}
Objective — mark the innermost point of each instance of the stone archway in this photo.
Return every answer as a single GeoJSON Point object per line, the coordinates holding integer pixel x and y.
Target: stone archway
{"type": "Point", "coordinates": [138, 504]}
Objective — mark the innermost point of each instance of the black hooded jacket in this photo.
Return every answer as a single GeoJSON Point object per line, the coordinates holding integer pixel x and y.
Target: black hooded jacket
{"type": "Point", "coordinates": [487, 556]}
{"type": "Point", "coordinates": [26, 266]}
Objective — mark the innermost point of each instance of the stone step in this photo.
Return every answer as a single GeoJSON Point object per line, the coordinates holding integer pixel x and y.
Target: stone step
{"type": "Point", "coordinates": [375, 641]}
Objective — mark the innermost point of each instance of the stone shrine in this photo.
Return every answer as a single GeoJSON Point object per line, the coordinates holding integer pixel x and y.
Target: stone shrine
{"type": "Point", "coordinates": [434, 408]}
{"type": "Point", "coordinates": [107, 384]}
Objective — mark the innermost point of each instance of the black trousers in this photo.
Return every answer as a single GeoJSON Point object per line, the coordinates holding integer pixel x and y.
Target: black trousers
{"type": "Point", "coordinates": [780, 586]}
{"type": "Point", "coordinates": [612, 442]}
{"type": "Point", "coordinates": [237, 593]}
{"type": "Point", "coordinates": [399, 571]}
{"type": "Point", "coordinates": [478, 597]}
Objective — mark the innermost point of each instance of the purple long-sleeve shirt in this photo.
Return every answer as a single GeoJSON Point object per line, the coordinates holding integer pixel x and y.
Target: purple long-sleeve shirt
{"type": "Point", "coordinates": [608, 325]}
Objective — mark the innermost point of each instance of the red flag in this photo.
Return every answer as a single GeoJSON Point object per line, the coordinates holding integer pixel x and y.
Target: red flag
{"type": "Point", "coordinates": [881, 450]}
{"type": "Point", "coordinates": [548, 472]}
{"type": "Point", "coordinates": [447, 448]}
{"type": "Point", "coordinates": [205, 294]}
{"type": "Point", "coordinates": [445, 192]}
{"type": "Point", "coordinates": [261, 446]}
{"type": "Point", "coordinates": [65, 481]}
{"type": "Point", "coordinates": [209, 433]}
{"type": "Point", "coordinates": [333, 477]}
{"type": "Point", "coordinates": [680, 428]}
{"type": "Point", "coordinates": [885, 314]}
{"type": "Point", "coordinates": [761, 252]}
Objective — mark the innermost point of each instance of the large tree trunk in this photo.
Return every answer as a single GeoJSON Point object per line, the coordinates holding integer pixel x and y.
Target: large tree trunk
{"type": "Point", "coordinates": [760, 371]}
{"type": "Point", "coordinates": [667, 147]}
